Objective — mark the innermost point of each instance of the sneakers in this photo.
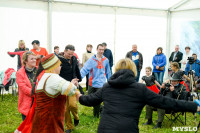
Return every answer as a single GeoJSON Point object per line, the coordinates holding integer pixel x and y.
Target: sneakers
{"type": "Point", "coordinates": [68, 131]}
{"type": "Point", "coordinates": [158, 125]}
{"type": "Point", "coordinates": [76, 122]}
{"type": "Point", "coordinates": [149, 122]}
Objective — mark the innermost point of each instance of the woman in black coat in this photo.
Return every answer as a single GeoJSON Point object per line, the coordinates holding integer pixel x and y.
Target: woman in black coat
{"type": "Point", "coordinates": [124, 100]}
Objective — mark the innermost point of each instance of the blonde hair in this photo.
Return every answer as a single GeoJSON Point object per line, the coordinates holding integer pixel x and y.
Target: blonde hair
{"type": "Point", "coordinates": [175, 64]}
{"type": "Point", "coordinates": [25, 56]}
{"type": "Point", "coordinates": [149, 68]}
{"type": "Point", "coordinates": [126, 64]}
{"type": "Point", "coordinates": [21, 42]}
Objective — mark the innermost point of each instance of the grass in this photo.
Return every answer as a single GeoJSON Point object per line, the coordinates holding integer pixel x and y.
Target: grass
{"type": "Point", "coordinates": [10, 119]}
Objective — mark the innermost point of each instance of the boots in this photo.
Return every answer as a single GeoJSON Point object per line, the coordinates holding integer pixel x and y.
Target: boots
{"type": "Point", "coordinates": [149, 122]}
{"type": "Point", "coordinates": [158, 125]}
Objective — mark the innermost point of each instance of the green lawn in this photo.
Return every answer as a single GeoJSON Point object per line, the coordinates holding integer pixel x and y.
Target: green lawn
{"type": "Point", "coordinates": [10, 119]}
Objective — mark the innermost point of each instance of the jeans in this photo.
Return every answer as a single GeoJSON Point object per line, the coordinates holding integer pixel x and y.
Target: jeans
{"type": "Point", "coordinates": [159, 77]}
{"type": "Point", "coordinates": [138, 76]}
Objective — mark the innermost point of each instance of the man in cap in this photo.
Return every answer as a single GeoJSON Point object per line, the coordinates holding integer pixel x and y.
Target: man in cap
{"type": "Point", "coordinates": [174, 90]}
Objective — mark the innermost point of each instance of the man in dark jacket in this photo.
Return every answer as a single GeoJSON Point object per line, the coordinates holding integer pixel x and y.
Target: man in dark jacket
{"type": "Point", "coordinates": [176, 56]}
{"type": "Point", "coordinates": [69, 71]}
{"type": "Point", "coordinates": [137, 58]}
{"type": "Point", "coordinates": [108, 54]}
{"type": "Point", "coordinates": [175, 91]}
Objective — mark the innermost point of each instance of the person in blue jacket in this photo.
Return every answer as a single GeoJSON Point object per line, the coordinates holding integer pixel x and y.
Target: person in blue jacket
{"type": "Point", "coordinates": [195, 66]}
{"type": "Point", "coordinates": [99, 69]}
{"type": "Point", "coordinates": [159, 62]}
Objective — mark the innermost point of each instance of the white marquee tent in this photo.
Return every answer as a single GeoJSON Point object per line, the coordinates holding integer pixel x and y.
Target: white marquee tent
{"type": "Point", "coordinates": [119, 23]}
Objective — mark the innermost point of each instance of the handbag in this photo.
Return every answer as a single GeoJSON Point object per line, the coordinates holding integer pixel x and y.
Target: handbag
{"type": "Point", "coordinates": [160, 68]}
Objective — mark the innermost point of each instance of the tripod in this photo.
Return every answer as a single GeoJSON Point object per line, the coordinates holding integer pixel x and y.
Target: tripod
{"type": "Point", "coordinates": [193, 94]}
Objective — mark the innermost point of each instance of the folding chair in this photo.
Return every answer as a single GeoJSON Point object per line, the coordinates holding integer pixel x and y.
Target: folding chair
{"type": "Point", "coordinates": [178, 116]}
{"type": "Point", "coordinates": [10, 83]}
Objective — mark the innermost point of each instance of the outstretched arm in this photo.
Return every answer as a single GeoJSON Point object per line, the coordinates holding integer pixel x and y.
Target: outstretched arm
{"type": "Point", "coordinates": [92, 99]}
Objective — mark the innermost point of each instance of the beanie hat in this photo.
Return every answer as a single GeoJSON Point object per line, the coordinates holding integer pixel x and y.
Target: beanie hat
{"type": "Point", "coordinates": [50, 62]}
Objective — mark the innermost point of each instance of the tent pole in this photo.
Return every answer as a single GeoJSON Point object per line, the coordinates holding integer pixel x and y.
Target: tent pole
{"type": "Point", "coordinates": [49, 27]}
{"type": "Point", "coordinates": [168, 39]}
{"type": "Point", "coordinates": [179, 4]}
{"type": "Point", "coordinates": [115, 30]}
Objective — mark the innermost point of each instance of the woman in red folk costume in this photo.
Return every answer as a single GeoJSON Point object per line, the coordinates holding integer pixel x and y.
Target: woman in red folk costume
{"type": "Point", "coordinates": [48, 109]}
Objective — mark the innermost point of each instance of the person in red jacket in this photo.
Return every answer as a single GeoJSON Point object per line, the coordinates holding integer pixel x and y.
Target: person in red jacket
{"type": "Point", "coordinates": [39, 51]}
{"type": "Point", "coordinates": [24, 79]}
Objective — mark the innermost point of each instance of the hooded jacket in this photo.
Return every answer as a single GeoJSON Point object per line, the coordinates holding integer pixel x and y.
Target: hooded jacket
{"type": "Point", "coordinates": [124, 100]}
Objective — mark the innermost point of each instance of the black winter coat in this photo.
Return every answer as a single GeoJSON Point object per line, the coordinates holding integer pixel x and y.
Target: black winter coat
{"type": "Point", "coordinates": [70, 71]}
{"type": "Point", "coordinates": [124, 100]}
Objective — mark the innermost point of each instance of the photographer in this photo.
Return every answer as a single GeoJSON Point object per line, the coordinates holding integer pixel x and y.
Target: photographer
{"type": "Point", "coordinates": [174, 90]}
{"type": "Point", "coordinates": [195, 65]}
{"type": "Point", "coordinates": [175, 69]}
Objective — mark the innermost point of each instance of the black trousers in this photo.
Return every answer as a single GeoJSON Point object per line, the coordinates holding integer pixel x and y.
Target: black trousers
{"type": "Point", "coordinates": [87, 81]}
{"type": "Point", "coordinates": [81, 90]}
{"type": "Point", "coordinates": [96, 109]}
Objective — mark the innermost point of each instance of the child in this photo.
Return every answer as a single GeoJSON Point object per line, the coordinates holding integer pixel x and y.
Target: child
{"type": "Point", "coordinates": [150, 80]}
{"type": "Point", "coordinates": [150, 83]}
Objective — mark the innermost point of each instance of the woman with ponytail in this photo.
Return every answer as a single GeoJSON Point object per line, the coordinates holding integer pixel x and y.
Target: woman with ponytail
{"type": "Point", "coordinates": [49, 91]}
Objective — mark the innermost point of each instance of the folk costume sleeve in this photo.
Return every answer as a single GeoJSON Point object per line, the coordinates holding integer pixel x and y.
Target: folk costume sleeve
{"type": "Point", "coordinates": [55, 84]}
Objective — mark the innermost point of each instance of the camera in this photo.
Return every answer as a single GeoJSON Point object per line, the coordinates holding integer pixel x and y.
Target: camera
{"type": "Point", "coordinates": [167, 85]}
{"type": "Point", "coordinates": [190, 60]}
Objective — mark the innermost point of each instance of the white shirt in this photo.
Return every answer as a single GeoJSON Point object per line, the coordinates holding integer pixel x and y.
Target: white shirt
{"type": "Point", "coordinates": [56, 84]}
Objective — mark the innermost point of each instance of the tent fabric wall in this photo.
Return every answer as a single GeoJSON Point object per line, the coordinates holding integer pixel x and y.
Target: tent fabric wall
{"type": "Point", "coordinates": [178, 21]}
{"type": "Point", "coordinates": [83, 24]}
{"type": "Point", "coordinates": [78, 25]}
{"type": "Point", "coordinates": [20, 20]}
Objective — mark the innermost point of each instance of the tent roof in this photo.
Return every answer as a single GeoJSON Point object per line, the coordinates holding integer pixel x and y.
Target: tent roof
{"type": "Point", "coordinates": [141, 4]}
